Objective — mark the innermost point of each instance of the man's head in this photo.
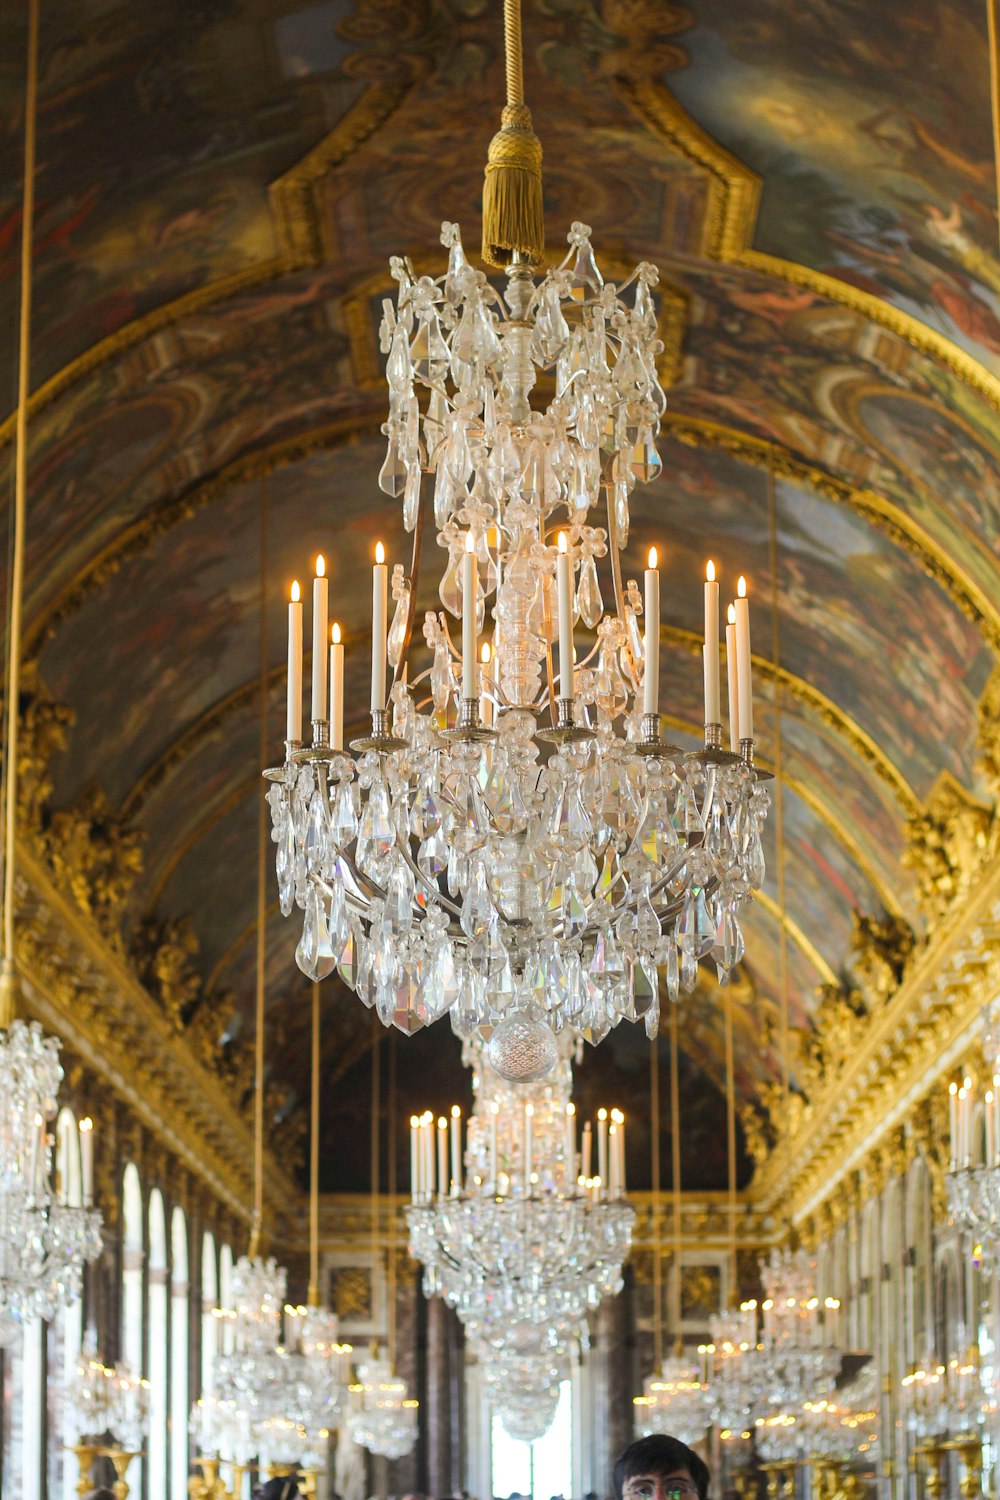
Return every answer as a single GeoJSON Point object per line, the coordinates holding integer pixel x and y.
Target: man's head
{"type": "Point", "coordinates": [658, 1468]}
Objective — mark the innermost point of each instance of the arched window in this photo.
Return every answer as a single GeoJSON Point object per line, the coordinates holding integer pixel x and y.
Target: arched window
{"type": "Point", "coordinates": [179, 1464]}
{"type": "Point", "coordinates": [157, 1367]}
{"type": "Point", "coordinates": [66, 1330]}
{"type": "Point", "coordinates": [209, 1302]}
{"type": "Point", "coordinates": [132, 1292]}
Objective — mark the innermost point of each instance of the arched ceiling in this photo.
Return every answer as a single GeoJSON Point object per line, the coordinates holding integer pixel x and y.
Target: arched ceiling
{"type": "Point", "coordinates": [220, 188]}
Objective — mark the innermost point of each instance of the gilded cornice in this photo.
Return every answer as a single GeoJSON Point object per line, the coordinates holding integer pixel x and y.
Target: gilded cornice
{"type": "Point", "coordinates": [85, 992]}
{"type": "Point", "coordinates": [902, 1055]}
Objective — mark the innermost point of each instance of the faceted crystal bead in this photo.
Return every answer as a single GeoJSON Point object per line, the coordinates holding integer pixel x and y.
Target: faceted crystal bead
{"type": "Point", "coordinates": [377, 832]}
{"type": "Point", "coordinates": [397, 911]}
{"type": "Point", "coordinates": [589, 603]}
{"type": "Point", "coordinates": [695, 927]}
{"type": "Point", "coordinates": [478, 911]}
{"type": "Point", "coordinates": [314, 954]}
{"type": "Point", "coordinates": [441, 987]}
{"type": "Point", "coordinates": [344, 825]}
{"type": "Point", "coordinates": [347, 960]}
{"type": "Point", "coordinates": [728, 947]}
{"type": "Point", "coordinates": [425, 814]}
{"type": "Point", "coordinates": [317, 834]}
{"type": "Point", "coordinates": [569, 826]}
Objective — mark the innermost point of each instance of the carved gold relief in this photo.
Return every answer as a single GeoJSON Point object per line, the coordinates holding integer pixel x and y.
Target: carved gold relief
{"type": "Point", "coordinates": [949, 841]}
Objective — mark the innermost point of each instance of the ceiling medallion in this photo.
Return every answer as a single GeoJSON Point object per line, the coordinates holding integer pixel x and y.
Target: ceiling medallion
{"type": "Point", "coordinates": [514, 836]}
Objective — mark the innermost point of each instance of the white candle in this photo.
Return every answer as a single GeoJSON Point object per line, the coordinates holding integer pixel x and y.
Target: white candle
{"type": "Point", "coordinates": [743, 661]}
{"type": "Point", "coordinates": [713, 712]}
{"type": "Point", "coordinates": [529, 1115]}
{"type": "Point", "coordinates": [613, 1169]}
{"type": "Point", "coordinates": [293, 716]}
{"type": "Point", "coordinates": [427, 1156]}
{"type": "Point", "coordinates": [336, 688]}
{"type": "Point", "coordinates": [456, 1150]}
{"type": "Point", "coordinates": [953, 1120]}
{"type": "Point", "coordinates": [321, 599]}
{"type": "Point", "coordinates": [41, 1162]}
{"type": "Point", "coordinates": [442, 1155]}
{"type": "Point", "coordinates": [87, 1160]}
{"type": "Point", "coordinates": [494, 1164]}
{"type": "Point", "coordinates": [991, 1141]}
{"type": "Point", "coordinates": [470, 588]}
{"type": "Point", "coordinates": [564, 590]}
{"type": "Point", "coordinates": [379, 627]}
{"type": "Point", "coordinates": [963, 1149]}
{"type": "Point", "coordinates": [602, 1145]}
{"type": "Point", "coordinates": [996, 1118]}
{"type": "Point", "coordinates": [414, 1159]}
{"type": "Point", "coordinates": [619, 1120]}
{"type": "Point", "coordinates": [734, 696]}
{"type": "Point", "coordinates": [651, 647]}
{"type": "Point", "coordinates": [485, 702]}
{"type": "Point", "coordinates": [569, 1146]}
{"type": "Point", "coordinates": [585, 1161]}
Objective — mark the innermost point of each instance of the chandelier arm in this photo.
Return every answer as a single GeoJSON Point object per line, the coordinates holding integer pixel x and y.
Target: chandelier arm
{"type": "Point", "coordinates": [427, 883]}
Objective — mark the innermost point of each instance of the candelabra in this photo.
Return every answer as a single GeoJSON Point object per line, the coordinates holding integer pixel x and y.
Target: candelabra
{"type": "Point", "coordinates": [516, 1230]}
{"type": "Point", "coordinates": [109, 1414]}
{"type": "Point", "coordinates": [382, 1418]}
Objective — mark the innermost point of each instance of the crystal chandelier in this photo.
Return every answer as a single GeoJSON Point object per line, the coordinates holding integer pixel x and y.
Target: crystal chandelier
{"type": "Point", "coordinates": [733, 1382]}
{"type": "Point", "coordinates": [108, 1403]}
{"type": "Point", "coordinates": [973, 1180]}
{"type": "Point", "coordinates": [512, 836]}
{"type": "Point", "coordinates": [522, 1228]}
{"type": "Point", "coordinates": [382, 1417]}
{"type": "Point", "coordinates": [674, 1400]}
{"type": "Point", "coordinates": [44, 1240]}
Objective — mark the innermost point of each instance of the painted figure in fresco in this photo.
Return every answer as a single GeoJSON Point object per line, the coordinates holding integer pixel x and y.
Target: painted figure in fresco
{"type": "Point", "coordinates": [660, 1468]}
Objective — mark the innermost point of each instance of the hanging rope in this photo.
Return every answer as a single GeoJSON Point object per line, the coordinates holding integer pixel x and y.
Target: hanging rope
{"type": "Point", "coordinates": [314, 1158]}
{"type": "Point", "coordinates": [513, 220]}
{"type": "Point", "coordinates": [675, 1170]}
{"type": "Point", "coordinates": [779, 821]}
{"type": "Point", "coordinates": [731, 1141]}
{"type": "Point", "coordinates": [374, 1147]}
{"type": "Point", "coordinates": [258, 1079]}
{"type": "Point", "coordinates": [8, 975]}
{"type": "Point", "coordinates": [654, 1118]}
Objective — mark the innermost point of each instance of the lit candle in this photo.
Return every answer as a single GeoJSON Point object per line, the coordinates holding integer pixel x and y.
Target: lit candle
{"type": "Point", "coordinates": [569, 1147]}
{"type": "Point", "coordinates": [713, 712]}
{"type": "Point", "coordinates": [953, 1120]}
{"type": "Point", "coordinates": [485, 701]}
{"type": "Point", "coordinates": [470, 588]}
{"type": "Point", "coordinates": [613, 1143]}
{"type": "Point", "coordinates": [293, 716]}
{"type": "Point", "coordinates": [991, 1142]}
{"type": "Point", "coordinates": [336, 688]}
{"type": "Point", "coordinates": [427, 1153]}
{"type": "Point", "coordinates": [87, 1160]}
{"type": "Point", "coordinates": [529, 1115]}
{"type": "Point", "coordinates": [564, 589]}
{"type": "Point", "coordinates": [602, 1143]}
{"type": "Point", "coordinates": [734, 696]}
{"type": "Point", "coordinates": [321, 598]}
{"type": "Point", "coordinates": [414, 1158]}
{"type": "Point", "coordinates": [494, 1164]}
{"type": "Point", "coordinates": [585, 1161]}
{"type": "Point", "coordinates": [41, 1161]}
{"type": "Point", "coordinates": [743, 661]}
{"type": "Point", "coordinates": [456, 1150]}
{"type": "Point", "coordinates": [651, 647]}
{"type": "Point", "coordinates": [619, 1121]}
{"type": "Point", "coordinates": [379, 627]}
{"type": "Point", "coordinates": [963, 1156]}
{"type": "Point", "coordinates": [442, 1154]}
{"type": "Point", "coordinates": [996, 1117]}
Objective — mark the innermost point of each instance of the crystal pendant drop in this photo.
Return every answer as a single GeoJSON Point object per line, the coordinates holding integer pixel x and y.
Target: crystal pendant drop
{"type": "Point", "coordinates": [478, 911]}
{"type": "Point", "coordinates": [589, 603]}
{"type": "Point", "coordinates": [397, 630]}
{"type": "Point", "coordinates": [695, 928]}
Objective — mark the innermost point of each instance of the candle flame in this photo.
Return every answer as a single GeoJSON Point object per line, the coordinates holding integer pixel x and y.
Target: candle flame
{"type": "Point", "coordinates": [617, 1116]}
{"type": "Point", "coordinates": [296, 592]}
{"type": "Point", "coordinates": [414, 1122]}
{"type": "Point", "coordinates": [953, 1088]}
{"type": "Point", "coordinates": [652, 557]}
{"type": "Point", "coordinates": [602, 1114]}
{"type": "Point", "coordinates": [563, 543]}
{"type": "Point", "coordinates": [741, 587]}
{"type": "Point", "coordinates": [470, 542]}
{"type": "Point", "coordinates": [379, 553]}
{"type": "Point", "coordinates": [485, 653]}
{"type": "Point", "coordinates": [529, 1109]}
{"type": "Point", "coordinates": [86, 1123]}
{"type": "Point", "coordinates": [335, 633]}
{"type": "Point", "coordinates": [456, 1113]}
{"type": "Point", "coordinates": [571, 1108]}
{"type": "Point", "coordinates": [731, 614]}
{"type": "Point", "coordinates": [442, 1123]}
{"type": "Point", "coordinates": [320, 566]}
{"type": "Point", "coordinates": [710, 571]}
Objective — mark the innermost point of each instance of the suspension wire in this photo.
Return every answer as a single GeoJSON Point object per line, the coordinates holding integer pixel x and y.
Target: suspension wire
{"type": "Point", "coordinates": [374, 1146]}
{"type": "Point", "coordinates": [314, 1156]}
{"type": "Point", "coordinates": [731, 1139]}
{"type": "Point", "coordinates": [994, 47]}
{"type": "Point", "coordinates": [8, 985]}
{"type": "Point", "coordinates": [772, 545]}
{"type": "Point", "coordinates": [654, 1118]}
{"type": "Point", "coordinates": [391, 1184]}
{"type": "Point", "coordinates": [259, 993]}
{"type": "Point", "coordinates": [675, 1161]}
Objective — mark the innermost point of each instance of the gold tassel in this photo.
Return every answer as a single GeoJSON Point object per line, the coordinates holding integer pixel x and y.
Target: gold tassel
{"type": "Point", "coordinates": [512, 192]}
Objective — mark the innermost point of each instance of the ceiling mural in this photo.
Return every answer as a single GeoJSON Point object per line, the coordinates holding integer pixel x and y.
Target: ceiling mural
{"type": "Point", "coordinates": [205, 341]}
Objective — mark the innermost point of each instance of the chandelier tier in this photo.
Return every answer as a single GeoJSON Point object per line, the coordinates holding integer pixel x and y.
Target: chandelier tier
{"type": "Point", "coordinates": [674, 1400]}
{"type": "Point", "coordinates": [519, 838]}
{"type": "Point", "coordinates": [522, 1228]}
{"type": "Point", "coordinates": [973, 1179]}
{"type": "Point", "coordinates": [382, 1416]}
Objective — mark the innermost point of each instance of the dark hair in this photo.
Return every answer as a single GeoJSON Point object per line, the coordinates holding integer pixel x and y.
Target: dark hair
{"type": "Point", "coordinates": [660, 1454]}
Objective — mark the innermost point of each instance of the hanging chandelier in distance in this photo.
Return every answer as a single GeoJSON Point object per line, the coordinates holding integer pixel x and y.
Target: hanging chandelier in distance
{"type": "Point", "coordinates": [382, 1417]}
{"type": "Point", "coordinates": [515, 836]}
{"type": "Point", "coordinates": [973, 1179]}
{"type": "Point", "coordinates": [522, 1228]}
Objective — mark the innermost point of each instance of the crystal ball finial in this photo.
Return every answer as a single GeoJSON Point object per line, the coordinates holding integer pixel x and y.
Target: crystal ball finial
{"type": "Point", "coordinates": [522, 1050]}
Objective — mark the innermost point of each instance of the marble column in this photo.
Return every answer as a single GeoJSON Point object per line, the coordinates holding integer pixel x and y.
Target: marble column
{"type": "Point", "coordinates": [439, 1434]}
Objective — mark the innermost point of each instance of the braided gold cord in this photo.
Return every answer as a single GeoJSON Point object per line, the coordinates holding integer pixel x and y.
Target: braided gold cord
{"type": "Point", "coordinates": [512, 51]}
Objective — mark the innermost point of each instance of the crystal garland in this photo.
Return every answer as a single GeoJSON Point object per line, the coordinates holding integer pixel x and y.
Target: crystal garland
{"type": "Point", "coordinates": [382, 1418]}
{"type": "Point", "coordinates": [449, 869]}
{"type": "Point", "coordinates": [973, 1179]}
{"type": "Point", "coordinates": [44, 1240]}
{"type": "Point", "coordinates": [517, 1232]}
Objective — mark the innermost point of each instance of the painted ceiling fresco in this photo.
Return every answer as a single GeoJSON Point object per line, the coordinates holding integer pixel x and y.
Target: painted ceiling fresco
{"type": "Point", "coordinates": [220, 187]}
